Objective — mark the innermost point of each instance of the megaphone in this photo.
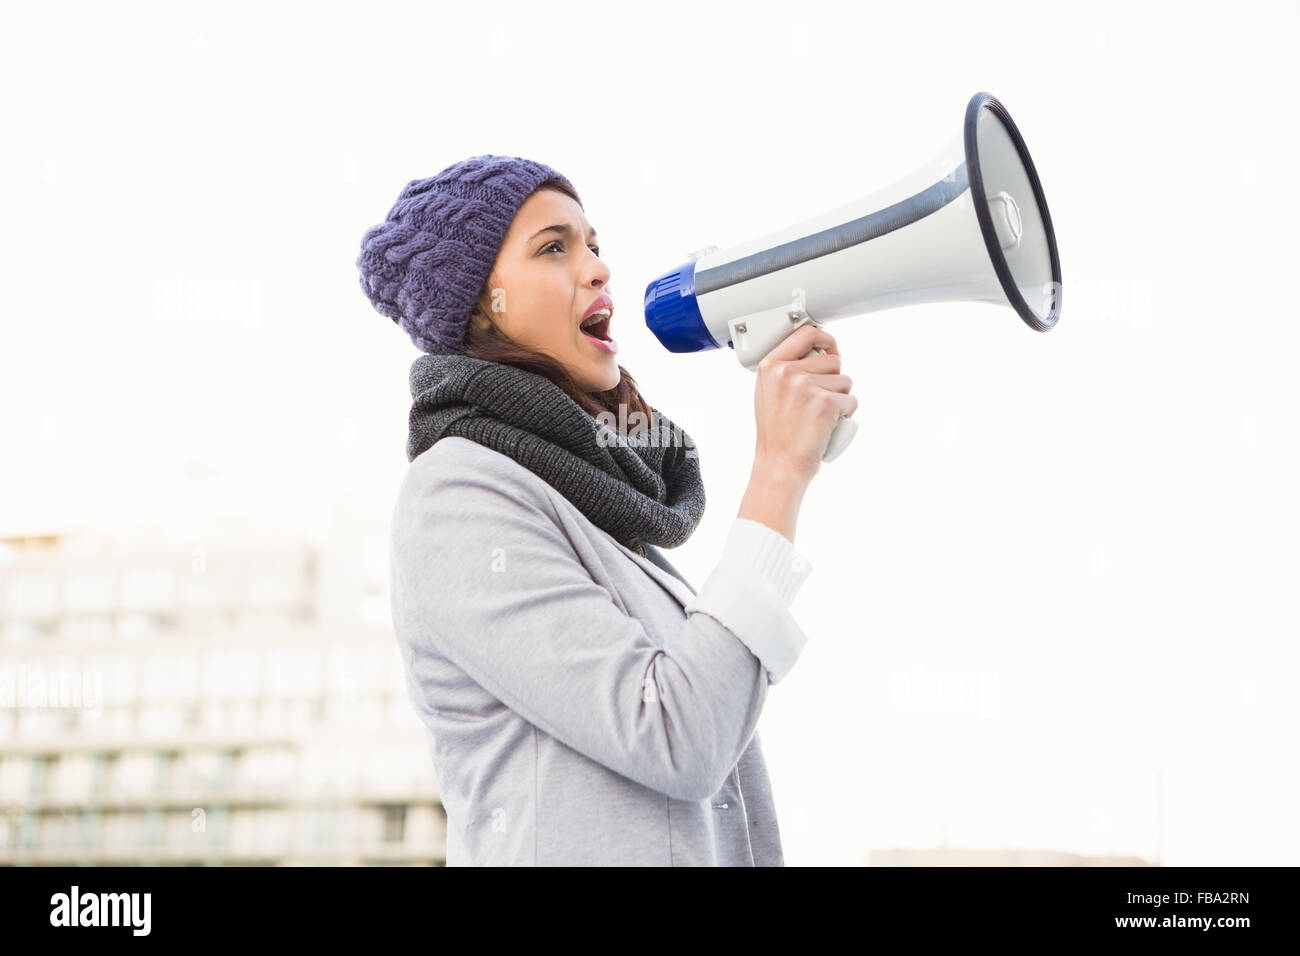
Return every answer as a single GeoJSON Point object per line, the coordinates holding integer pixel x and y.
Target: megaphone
{"type": "Point", "coordinates": [972, 225]}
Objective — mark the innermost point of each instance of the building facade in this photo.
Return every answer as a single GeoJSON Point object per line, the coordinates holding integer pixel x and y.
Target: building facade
{"type": "Point", "coordinates": [224, 704]}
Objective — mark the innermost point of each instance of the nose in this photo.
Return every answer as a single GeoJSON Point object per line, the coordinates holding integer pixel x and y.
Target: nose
{"type": "Point", "coordinates": [597, 272]}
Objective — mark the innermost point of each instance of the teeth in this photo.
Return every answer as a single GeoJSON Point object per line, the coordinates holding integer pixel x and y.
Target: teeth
{"type": "Point", "coordinates": [598, 316]}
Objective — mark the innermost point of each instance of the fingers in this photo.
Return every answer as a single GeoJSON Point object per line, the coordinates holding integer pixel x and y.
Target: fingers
{"type": "Point", "coordinates": [843, 403]}
{"type": "Point", "coordinates": [825, 340]}
{"type": "Point", "coordinates": [832, 383]}
{"type": "Point", "coordinates": [799, 342]}
{"type": "Point", "coordinates": [828, 364]}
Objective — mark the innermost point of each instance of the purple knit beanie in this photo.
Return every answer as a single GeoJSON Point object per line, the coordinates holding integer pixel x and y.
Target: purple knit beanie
{"type": "Point", "coordinates": [426, 264]}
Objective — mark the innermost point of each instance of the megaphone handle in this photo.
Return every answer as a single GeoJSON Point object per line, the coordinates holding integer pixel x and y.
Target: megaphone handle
{"type": "Point", "coordinates": [844, 430]}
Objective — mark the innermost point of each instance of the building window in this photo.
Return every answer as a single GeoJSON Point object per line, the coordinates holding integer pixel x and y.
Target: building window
{"type": "Point", "coordinates": [326, 829]}
{"type": "Point", "coordinates": [148, 589]}
{"type": "Point", "coordinates": [394, 823]}
{"type": "Point", "coordinates": [88, 626]}
{"type": "Point", "coordinates": [88, 591]}
{"type": "Point", "coordinates": [32, 595]}
{"type": "Point", "coordinates": [217, 825]}
{"type": "Point", "coordinates": [29, 831]}
{"type": "Point", "coordinates": [90, 829]}
{"type": "Point", "coordinates": [165, 770]}
{"type": "Point", "coordinates": [153, 828]}
{"type": "Point", "coordinates": [42, 769]}
{"type": "Point", "coordinates": [101, 773]}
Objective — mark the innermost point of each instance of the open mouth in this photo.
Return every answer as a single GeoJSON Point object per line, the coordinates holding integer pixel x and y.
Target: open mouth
{"type": "Point", "coordinates": [597, 327]}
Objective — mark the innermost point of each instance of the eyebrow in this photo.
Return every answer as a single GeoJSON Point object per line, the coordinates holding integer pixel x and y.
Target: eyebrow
{"type": "Point", "coordinates": [562, 229]}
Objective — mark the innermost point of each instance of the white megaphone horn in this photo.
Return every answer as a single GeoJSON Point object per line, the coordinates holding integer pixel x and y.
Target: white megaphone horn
{"type": "Point", "coordinates": [971, 226]}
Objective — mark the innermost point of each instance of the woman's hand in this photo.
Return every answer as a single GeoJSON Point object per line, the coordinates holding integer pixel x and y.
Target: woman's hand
{"type": "Point", "coordinates": [797, 402]}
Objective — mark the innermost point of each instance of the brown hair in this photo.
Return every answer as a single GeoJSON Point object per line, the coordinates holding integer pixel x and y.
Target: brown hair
{"type": "Point", "coordinates": [492, 345]}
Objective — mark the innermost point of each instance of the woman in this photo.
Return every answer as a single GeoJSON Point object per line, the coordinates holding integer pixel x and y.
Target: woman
{"type": "Point", "coordinates": [585, 705]}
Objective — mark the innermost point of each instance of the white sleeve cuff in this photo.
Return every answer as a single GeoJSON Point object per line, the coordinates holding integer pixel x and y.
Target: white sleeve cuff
{"type": "Point", "coordinates": [750, 592]}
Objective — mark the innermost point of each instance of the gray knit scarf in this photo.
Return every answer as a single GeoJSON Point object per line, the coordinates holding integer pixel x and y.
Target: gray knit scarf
{"type": "Point", "coordinates": [646, 489]}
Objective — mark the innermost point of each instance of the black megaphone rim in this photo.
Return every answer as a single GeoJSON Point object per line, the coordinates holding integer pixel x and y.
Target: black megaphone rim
{"type": "Point", "coordinates": [987, 100]}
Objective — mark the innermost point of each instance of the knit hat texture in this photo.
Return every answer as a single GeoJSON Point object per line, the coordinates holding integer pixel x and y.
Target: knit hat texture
{"type": "Point", "coordinates": [426, 264]}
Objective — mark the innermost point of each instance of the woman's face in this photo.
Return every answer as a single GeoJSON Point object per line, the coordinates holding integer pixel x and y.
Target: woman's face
{"type": "Point", "coordinates": [545, 280]}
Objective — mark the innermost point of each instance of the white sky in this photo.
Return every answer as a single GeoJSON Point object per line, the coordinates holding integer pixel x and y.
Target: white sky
{"type": "Point", "coordinates": [1095, 528]}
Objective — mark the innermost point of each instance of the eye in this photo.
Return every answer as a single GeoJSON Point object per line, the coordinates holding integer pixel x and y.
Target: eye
{"type": "Point", "coordinates": [557, 242]}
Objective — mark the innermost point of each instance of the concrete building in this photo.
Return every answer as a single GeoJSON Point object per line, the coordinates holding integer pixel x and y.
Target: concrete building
{"type": "Point", "coordinates": [229, 703]}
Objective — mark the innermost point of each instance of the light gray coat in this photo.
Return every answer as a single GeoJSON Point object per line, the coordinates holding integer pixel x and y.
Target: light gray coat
{"type": "Point", "coordinates": [585, 706]}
